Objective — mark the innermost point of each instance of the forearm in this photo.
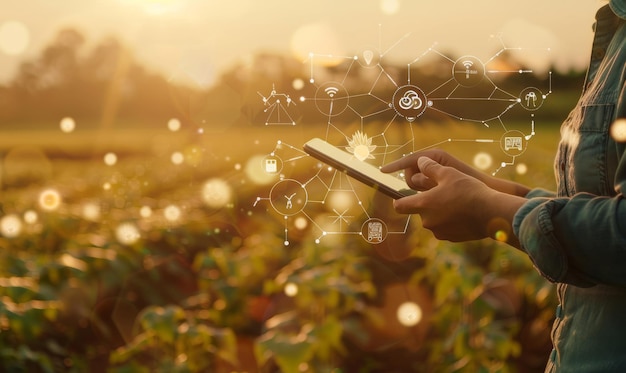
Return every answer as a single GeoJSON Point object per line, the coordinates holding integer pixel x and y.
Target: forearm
{"type": "Point", "coordinates": [499, 210]}
{"type": "Point", "coordinates": [505, 186]}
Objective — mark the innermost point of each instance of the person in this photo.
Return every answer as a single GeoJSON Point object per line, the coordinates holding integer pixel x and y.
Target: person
{"type": "Point", "coordinates": [575, 237]}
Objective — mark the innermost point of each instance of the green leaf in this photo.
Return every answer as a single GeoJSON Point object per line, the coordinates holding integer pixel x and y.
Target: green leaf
{"type": "Point", "coordinates": [289, 351]}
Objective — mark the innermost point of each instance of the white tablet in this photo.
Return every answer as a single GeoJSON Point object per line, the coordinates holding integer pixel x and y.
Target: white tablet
{"type": "Point", "coordinates": [362, 171]}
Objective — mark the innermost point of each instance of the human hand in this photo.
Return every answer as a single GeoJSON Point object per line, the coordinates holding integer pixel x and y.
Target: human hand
{"type": "Point", "coordinates": [456, 206]}
{"type": "Point", "coordinates": [418, 181]}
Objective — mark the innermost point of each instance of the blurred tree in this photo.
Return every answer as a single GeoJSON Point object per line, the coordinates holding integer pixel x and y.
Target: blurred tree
{"type": "Point", "coordinates": [102, 86]}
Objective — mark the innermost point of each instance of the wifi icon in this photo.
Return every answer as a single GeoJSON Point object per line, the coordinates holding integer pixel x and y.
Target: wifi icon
{"type": "Point", "coordinates": [468, 65]}
{"type": "Point", "coordinates": [331, 91]}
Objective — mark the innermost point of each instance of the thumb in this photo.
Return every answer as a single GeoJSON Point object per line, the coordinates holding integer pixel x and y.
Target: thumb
{"type": "Point", "coordinates": [429, 167]}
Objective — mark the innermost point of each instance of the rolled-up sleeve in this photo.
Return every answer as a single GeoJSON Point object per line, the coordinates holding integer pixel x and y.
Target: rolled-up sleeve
{"type": "Point", "coordinates": [578, 240]}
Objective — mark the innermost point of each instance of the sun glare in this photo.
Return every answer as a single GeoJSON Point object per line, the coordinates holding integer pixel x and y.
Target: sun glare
{"type": "Point", "coordinates": [156, 7]}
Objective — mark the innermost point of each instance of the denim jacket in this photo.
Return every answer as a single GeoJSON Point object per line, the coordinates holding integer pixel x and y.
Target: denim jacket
{"type": "Point", "coordinates": [577, 237]}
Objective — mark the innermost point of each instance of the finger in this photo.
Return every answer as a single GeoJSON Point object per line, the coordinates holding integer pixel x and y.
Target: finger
{"type": "Point", "coordinates": [429, 168]}
{"type": "Point", "coordinates": [421, 182]}
{"type": "Point", "coordinates": [408, 205]}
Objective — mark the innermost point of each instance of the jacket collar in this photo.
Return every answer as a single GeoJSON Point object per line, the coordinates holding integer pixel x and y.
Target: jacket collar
{"type": "Point", "coordinates": [619, 8]}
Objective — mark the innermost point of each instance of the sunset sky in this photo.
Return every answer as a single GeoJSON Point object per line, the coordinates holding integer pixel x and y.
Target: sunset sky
{"type": "Point", "coordinates": [201, 38]}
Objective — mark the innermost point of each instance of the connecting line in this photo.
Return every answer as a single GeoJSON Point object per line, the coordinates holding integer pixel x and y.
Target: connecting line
{"type": "Point", "coordinates": [280, 144]}
{"type": "Point", "coordinates": [258, 199]}
{"type": "Point", "coordinates": [549, 83]}
{"type": "Point", "coordinates": [496, 89]}
{"type": "Point", "coordinates": [408, 67]}
{"type": "Point", "coordinates": [456, 140]}
{"type": "Point", "coordinates": [440, 86]}
{"type": "Point", "coordinates": [348, 70]}
{"type": "Point", "coordinates": [532, 130]}
{"type": "Point", "coordinates": [395, 44]}
{"type": "Point", "coordinates": [312, 56]}
{"type": "Point", "coordinates": [406, 227]}
{"type": "Point", "coordinates": [503, 165]}
{"type": "Point", "coordinates": [327, 180]}
{"type": "Point", "coordinates": [483, 122]}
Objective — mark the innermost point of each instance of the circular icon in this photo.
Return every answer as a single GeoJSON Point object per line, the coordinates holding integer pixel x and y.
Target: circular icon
{"type": "Point", "coordinates": [468, 71]}
{"type": "Point", "coordinates": [513, 143]}
{"type": "Point", "coordinates": [368, 58]}
{"type": "Point", "coordinates": [331, 98]}
{"type": "Point", "coordinates": [272, 164]}
{"type": "Point", "coordinates": [374, 230]}
{"type": "Point", "coordinates": [288, 197]}
{"type": "Point", "coordinates": [409, 102]}
{"type": "Point", "coordinates": [531, 98]}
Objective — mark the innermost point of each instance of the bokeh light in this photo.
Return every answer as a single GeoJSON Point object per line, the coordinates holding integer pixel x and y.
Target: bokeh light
{"type": "Point", "coordinates": [177, 158]}
{"type": "Point", "coordinates": [618, 130]}
{"type": "Point", "coordinates": [14, 38]}
{"type": "Point", "coordinates": [482, 160]}
{"type": "Point", "coordinates": [30, 217]}
{"type": "Point", "coordinates": [389, 7]}
{"type": "Point", "coordinates": [409, 314]}
{"type": "Point", "coordinates": [255, 171]}
{"type": "Point", "coordinates": [521, 168]}
{"type": "Point", "coordinates": [49, 200]}
{"type": "Point", "coordinates": [67, 124]}
{"type": "Point", "coordinates": [91, 211]}
{"type": "Point", "coordinates": [501, 236]}
{"type": "Point", "coordinates": [297, 84]}
{"type": "Point", "coordinates": [172, 213]}
{"type": "Point", "coordinates": [110, 159]}
{"type": "Point", "coordinates": [10, 226]}
{"type": "Point", "coordinates": [216, 193]}
{"type": "Point", "coordinates": [145, 211]}
{"type": "Point", "coordinates": [291, 289]}
{"type": "Point", "coordinates": [341, 200]}
{"type": "Point", "coordinates": [301, 223]}
{"type": "Point", "coordinates": [127, 233]}
{"type": "Point", "coordinates": [173, 124]}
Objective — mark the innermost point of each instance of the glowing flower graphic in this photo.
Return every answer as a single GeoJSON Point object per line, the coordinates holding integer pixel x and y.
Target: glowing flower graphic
{"type": "Point", "coordinates": [361, 146]}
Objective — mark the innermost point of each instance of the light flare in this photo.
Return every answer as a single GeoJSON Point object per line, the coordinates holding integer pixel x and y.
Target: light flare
{"type": "Point", "coordinates": [409, 314]}
{"type": "Point", "coordinates": [145, 211]}
{"type": "Point", "coordinates": [91, 211]}
{"type": "Point", "coordinates": [618, 130]}
{"type": "Point", "coordinates": [30, 217]}
{"type": "Point", "coordinates": [172, 213]}
{"type": "Point", "coordinates": [483, 160]}
{"type": "Point", "coordinates": [291, 289]}
{"type": "Point", "coordinates": [14, 38]}
{"type": "Point", "coordinates": [67, 124]}
{"type": "Point", "coordinates": [10, 226]}
{"type": "Point", "coordinates": [173, 124]}
{"type": "Point", "coordinates": [110, 159]}
{"type": "Point", "coordinates": [127, 233]}
{"type": "Point", "coordinates": [49, 200]}
{"type": "Point", "coordinates": [177, 158]}
{"type": "Point", "coordinates": [216, 193]}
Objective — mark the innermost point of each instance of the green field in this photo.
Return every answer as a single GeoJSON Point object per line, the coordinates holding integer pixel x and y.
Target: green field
{"type": "Point", "coordinates": [97, 284]}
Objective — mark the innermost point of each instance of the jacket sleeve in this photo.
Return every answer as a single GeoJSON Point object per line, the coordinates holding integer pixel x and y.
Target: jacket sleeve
{"type": "Point", "coordinates": [580, 240]}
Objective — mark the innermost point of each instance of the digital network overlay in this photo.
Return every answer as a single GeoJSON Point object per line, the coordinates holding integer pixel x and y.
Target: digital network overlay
{"type": "Point", "coordinates": [385, 125]}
